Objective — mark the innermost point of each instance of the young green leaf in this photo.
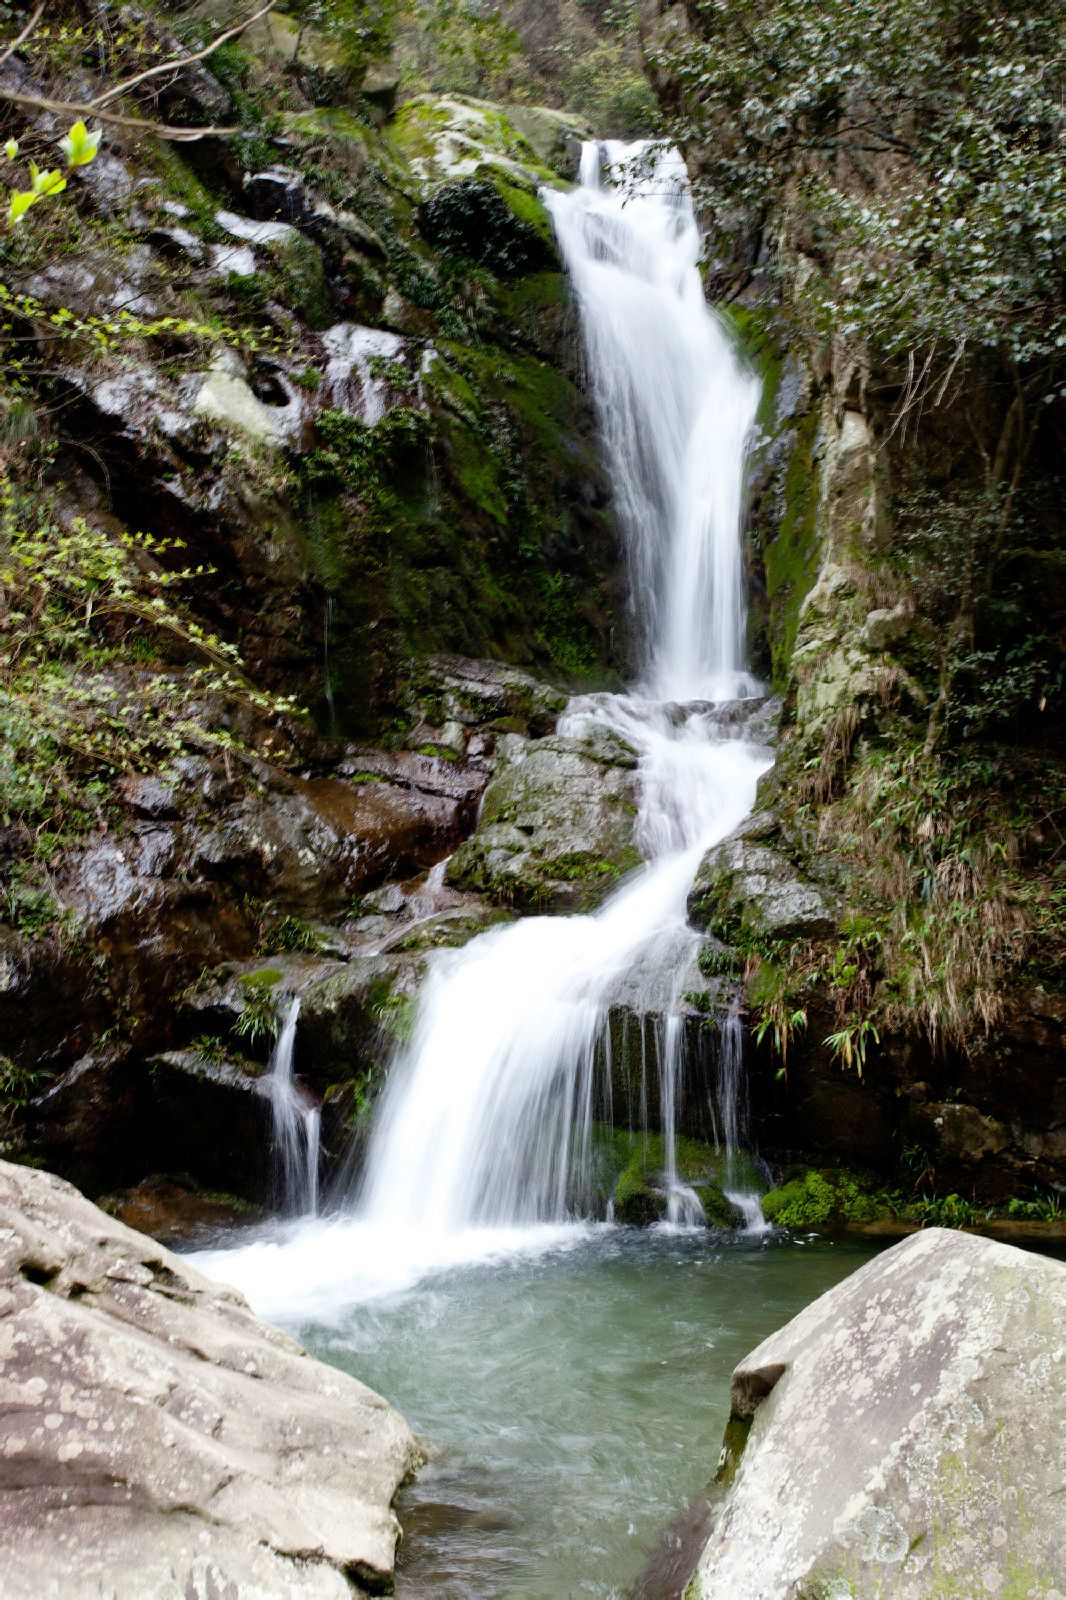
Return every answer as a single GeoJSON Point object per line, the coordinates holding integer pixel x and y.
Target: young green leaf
{"type": "Point", "coordinates": [21, 201]}
{"type": "Point", "coordinates": [80, 146]}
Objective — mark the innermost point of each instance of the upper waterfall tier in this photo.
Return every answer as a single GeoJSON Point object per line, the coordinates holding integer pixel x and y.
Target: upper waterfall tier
{"type": "Point", "coordinates": [676, 405]}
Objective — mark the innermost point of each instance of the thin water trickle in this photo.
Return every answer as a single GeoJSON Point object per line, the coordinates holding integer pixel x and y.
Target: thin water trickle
{"type": "Point", "coordinates": [297, 1124]}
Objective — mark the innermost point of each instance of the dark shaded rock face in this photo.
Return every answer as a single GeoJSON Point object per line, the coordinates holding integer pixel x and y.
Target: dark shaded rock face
{"type": "Point", "coordinates": [158, 1438]}
{"type": "Point", "coordinates": [153, 905]}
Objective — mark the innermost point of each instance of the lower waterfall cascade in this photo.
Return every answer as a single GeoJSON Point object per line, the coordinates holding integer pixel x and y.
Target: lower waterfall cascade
{"type": "Point", "coordinates": [481, 1140]}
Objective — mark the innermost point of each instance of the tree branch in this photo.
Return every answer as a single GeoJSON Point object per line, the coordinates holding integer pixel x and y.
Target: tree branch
{"type": "Point", "coordinates": [88, 108]}
{"type": "Point", "coordinates": [176, 62]}
{"type": "Point", "coordinates": [24, 35]}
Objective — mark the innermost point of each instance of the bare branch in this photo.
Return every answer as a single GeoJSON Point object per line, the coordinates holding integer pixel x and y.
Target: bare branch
{"type": "Point", "coordinates": [81, 108]}
{"type": "Point", "coordinates": [24, 35]}
{"type": "Point", "coordinates": [177, 62]}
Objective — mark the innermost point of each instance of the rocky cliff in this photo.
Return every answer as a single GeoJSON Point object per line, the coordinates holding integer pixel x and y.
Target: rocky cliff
{"type": "Point", "coordinates": [895, 904]}
{"type": "Point", "coordinates": [294, 414]}
{"type": "Point", "coordinates": [292, 409]}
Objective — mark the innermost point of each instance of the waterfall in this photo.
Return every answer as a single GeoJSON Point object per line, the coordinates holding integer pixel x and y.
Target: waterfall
{"type": "Point", "coordinates": [296, 1124]}
{"type": "Point", "coordinates": [487, 1117]}
{"type": "Point", "coordinates": [676, 406]}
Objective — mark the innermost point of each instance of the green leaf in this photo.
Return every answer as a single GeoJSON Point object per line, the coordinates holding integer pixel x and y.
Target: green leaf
{"type": "Point", "coordinates": [80, 146]}
{"type": "Point", "coordinates": [11, 149]}
{"type": "Point", "coordinates": [21, 201]}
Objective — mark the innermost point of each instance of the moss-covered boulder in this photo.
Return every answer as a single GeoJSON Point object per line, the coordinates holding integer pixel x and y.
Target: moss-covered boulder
{"type": "Point", "coordinates": [632, 1172]}
{"type": "Point", "coordinates": [557, 829]}
{"type": "Point", "coordinates": [449, 137]}
{"type": "Point", "coordinates": [824, 1199]}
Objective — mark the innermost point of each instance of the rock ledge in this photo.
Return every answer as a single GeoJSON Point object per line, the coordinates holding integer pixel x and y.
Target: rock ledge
{"type": "Point", "coordinates": [159, 1441]}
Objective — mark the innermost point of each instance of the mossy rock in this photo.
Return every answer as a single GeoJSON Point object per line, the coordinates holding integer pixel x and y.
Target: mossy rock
{"type": "Point", "coordinates": [557, 829]}
{"type": "Point", "coordinates": [638, 1195]}
{"type": "Point", "coordinates": [453, 136]}
{"type": "Point", "coordinates": [636, 1203]}
{"type": "Point", "coordinates": [494, 224]}
{"type": "Point", "coordinates": [824, 1198]}
{"type": "Point", "coordinates": [718, 1209]}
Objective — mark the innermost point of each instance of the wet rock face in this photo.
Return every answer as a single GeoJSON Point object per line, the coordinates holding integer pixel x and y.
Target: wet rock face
{"type": "Point", "coordinates": [488, 695]}
{"type": "Point", "coordinates": [557, 829]}
{"type": "Point", "coordinates": [159, 1439]}
{"type": "Point", "coordinates": [905, 1435]}
{"type": "Point", "coordinates": [747, 884]}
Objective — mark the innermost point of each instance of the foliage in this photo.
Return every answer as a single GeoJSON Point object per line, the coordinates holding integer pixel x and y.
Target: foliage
{"type": "Point", "coordinates": [79, 146]}
{"type": "Point", "coordinates": [465, 47]}
{"type": "Point", "coordinates": [925, 144]}
{"type": "Point", "coordinates": [362, 457]}
{"type": "Point", "coordinates": [772, 995]}
{"type": "Point", "coordinates": [258, 1020]}
{"type": "Point", "coordinates": [86, 688]}
{"type": "Point", "coordinates": [605, 86]}
{"type": "Point", "coordinates": [291, 934]}
{"type": "Point", "coordinates": [849, 1043]}
{"type": "Point", "coordinates": [361, 30]}
{"type": "Point", "coordinates": [978, 560]}
{"type": "Point", "coordinates": [393, 1011]}
{"type": "Point", "coordinates": [834, 1198]}
{"type": "Point", "coordinates": [829, 1198]}
{"type": "Point", "coordinates": [210, 1048]}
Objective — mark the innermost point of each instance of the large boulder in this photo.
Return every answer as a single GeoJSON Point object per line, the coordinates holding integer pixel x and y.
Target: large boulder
{"type": "Point", "coordinates": [159, 1440]}
{"type": "Point", "coordinates": [746, 885]}
{"type": "Point", "coordinates": [557, 828]}
{"type": "Point", "coordinates": [905, 1436]}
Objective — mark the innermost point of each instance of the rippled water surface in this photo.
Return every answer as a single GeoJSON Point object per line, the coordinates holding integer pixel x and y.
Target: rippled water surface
{"type": "Point", "coordinates": [577, 1398]}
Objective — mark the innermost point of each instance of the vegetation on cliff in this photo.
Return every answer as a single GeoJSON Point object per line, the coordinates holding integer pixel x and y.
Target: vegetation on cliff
{"type": "Point", "coordinates": [886, 184]}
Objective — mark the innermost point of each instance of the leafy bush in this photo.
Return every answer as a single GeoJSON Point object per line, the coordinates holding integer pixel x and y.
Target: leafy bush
{"type": "Point", "coordinates": [81, 612]}
{"type": "Point", "coordinates": [925, 143]}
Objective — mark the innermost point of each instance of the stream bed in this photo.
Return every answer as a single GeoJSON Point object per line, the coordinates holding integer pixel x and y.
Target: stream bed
{"type": "Point", "coordinates": [577, 1395]}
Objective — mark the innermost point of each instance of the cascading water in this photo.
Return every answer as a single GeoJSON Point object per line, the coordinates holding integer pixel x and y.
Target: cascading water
{"type": "Point", "coordinates": [487, 1121]}
{"type": "Point", "coordinates": [483, 1138]}
{"type": "Point", "coordinates": [296, 1124]}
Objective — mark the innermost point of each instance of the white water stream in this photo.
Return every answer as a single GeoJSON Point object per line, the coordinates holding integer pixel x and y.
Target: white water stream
{"type": "Point", "coordinates": [297, 1124]}
{"type": "Point", "coordinates": [482, 1141]}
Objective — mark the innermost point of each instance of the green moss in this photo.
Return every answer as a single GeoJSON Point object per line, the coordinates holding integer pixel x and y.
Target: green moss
{"type": "Point", "coordinates": [826, 1198]}
{"type": "Point", "coordinates": [582, 866]}
{"type": "Point", "coordinates": [719, 1211]}
{"type": "Point", "coordinates": [760, 338]}
{"type": "Point", "coordinates": [636, 1162]}
{"type": "Point", "coordinates": [264, 978]}
{"type": "Point", "coordinates": [636, 1204]}
{"type": "Point", "coordinates": [791, 558]}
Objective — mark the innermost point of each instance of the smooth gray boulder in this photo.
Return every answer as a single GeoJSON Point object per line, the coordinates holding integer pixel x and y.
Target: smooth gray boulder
{"type": "Point", "coordinates": [159, 1441]}
{"type": "Point", "coordinates": [906, 1436]}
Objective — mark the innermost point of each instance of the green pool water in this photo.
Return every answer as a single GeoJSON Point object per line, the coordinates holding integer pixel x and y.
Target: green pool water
{"type": "Point", "coordinates": [575, 1399]}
